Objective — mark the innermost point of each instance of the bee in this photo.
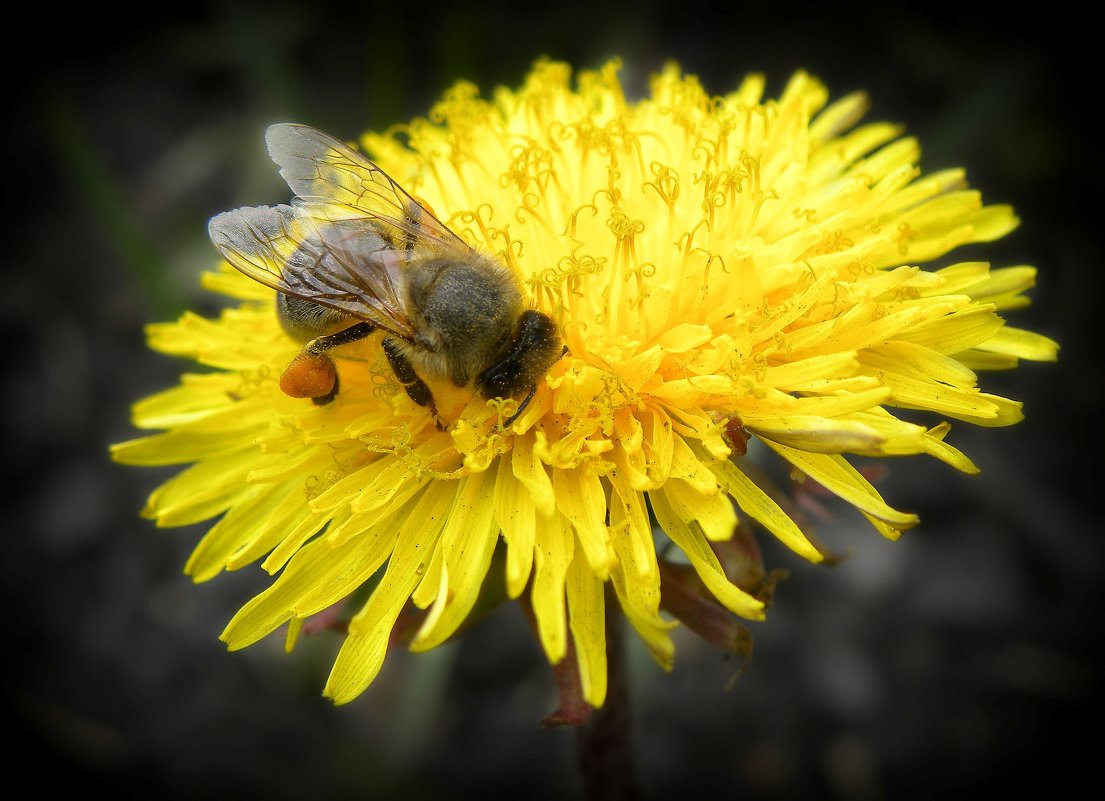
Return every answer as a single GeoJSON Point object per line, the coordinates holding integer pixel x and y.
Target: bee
{"type": "Point", "coordinates": [354, 252]}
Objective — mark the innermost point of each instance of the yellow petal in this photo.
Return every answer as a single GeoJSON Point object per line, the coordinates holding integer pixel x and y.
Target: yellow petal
{"type": "Point", "coordinates": [516, 516]}
{"type": "Point", "coordinates": [362, 654]}
{"type": "Point", "coordinates": [197, 396]}
{"type": "Point", "coordinates": [317, 577]}
{"type": "Point", "coordinates": [797, 374]}
{"type": "Point", "coordinates": [308, 525]}
{"type": "Point", "coordinates": [994, 222]}
{"type": "Point", "coordinates": [629, 520]}
{"type": "Point", "coordinates": [755, 503]}
{"type": "Point", "coordinates": [285, 516]}
{"type": "Point", "coordinates": [692, 542]}
{"type": "Point", "coordinates": [919, 361]}
{"type": "Point", "coordinates": [835, 474]}
{"type": "Point", "coordinates": [467, 543]}
{"type": "Point", "coordinates": [1023, 344]}
{"type": "Point", "coordinates": [816, 434]}
{"type": "Point", "coordinates": [713, 511]}
{"type": "Point", "coordinates": [580, 498]}
{"type": "Point", "coordinates": [529, 470]}
{"type": "Point", "coordinates": [690, 468]}
{"type": "Point", "coordinates": [554, 551]}
{"type": "Point", "coordinates": [955, 332]}
{"type": "Point", "coordinates": [182, 445]}
{"type": "Point", "coordinates": [640, 603]}
{"type": "Point", "coordinates": [587, 621]}
{"type": "Point", "coordinates": [935, 445]}
{"type": "Point", "coordinates": [202, 491]}
{"type": "Point", "coordinates": [841, 115]}
{"type": "Point", "coordinates": [239, 527]}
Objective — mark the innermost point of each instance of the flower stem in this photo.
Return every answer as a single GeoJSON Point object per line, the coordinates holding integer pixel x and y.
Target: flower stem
{"type": "Point", "coordinates": [605, 743]}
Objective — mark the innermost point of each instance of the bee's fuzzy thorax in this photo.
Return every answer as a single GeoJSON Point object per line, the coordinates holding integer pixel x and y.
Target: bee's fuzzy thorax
{"type": "Point", "coordinates": [467, 311]}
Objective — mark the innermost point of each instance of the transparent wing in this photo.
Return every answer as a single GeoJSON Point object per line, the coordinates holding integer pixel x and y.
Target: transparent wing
{"type": "Point", "coordinates": [345, 265]}
{"type": "Point", "coordinates": [334, 181]}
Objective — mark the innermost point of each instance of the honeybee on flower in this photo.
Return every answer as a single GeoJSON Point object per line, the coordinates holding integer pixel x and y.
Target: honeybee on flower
{"type": "Point", "coordinates": [356, 253]}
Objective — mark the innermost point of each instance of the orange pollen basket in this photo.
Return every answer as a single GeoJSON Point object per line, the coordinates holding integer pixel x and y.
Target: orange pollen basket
{"type": "Point", "coordinates": [309, 376]}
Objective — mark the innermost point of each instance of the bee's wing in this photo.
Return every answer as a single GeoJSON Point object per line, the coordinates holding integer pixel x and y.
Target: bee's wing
{"type": "Point", "coordinates": [326, 173]}
{"type": "Point", "coordinates": [345, 265]}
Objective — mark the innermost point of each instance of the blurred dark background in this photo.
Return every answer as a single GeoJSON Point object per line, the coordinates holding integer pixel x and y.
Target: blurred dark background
{"type": "Point", "coordinates": [965, 657]}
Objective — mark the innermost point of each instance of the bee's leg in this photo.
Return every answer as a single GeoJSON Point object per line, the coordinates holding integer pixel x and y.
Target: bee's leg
{"type": "Point", "coordinates": [416, 388]}
{"type": "Point", "coordinates": [318, 346]}
{"type": "Point", "coordinates": [312, 373]}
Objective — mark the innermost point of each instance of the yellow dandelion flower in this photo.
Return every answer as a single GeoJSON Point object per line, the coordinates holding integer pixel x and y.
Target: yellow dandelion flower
{"type": "Point", "coordinates": [718, 267]}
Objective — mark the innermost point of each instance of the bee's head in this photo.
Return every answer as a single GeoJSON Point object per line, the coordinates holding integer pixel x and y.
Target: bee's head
{"type": "Point", "coordinates": [535, 348]}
